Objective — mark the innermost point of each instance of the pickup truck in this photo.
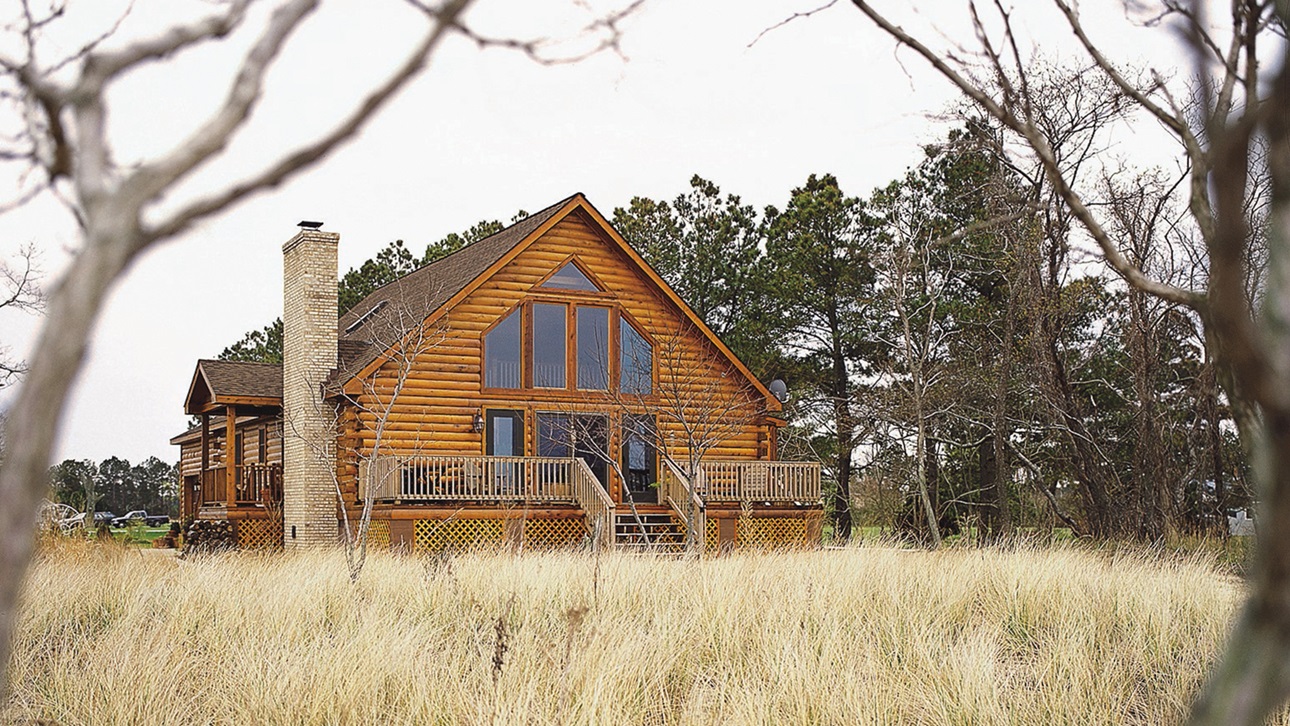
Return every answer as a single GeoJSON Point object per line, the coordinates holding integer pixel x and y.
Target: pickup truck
{"type": "Point", "coordinates": [142, 516]}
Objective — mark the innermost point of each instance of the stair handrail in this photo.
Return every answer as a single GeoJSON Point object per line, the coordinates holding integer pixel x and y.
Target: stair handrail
{"type": "Point", "coordinates": [595, 501]}
{"type": "Point", "coordinates": [675, 488]}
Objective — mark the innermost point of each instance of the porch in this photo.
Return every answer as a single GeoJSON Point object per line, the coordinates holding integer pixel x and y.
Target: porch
{"type": "Point", "coordinates": [255, 485]}
{"type": "Point", "coordinates": [772, 488]}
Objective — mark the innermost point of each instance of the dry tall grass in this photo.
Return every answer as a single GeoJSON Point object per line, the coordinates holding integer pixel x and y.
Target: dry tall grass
{"type": "Point", "coordinates": [867, 635]}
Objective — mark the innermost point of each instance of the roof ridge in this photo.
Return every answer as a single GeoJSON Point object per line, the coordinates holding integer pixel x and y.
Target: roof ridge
{"type": "Point", "coordinates": [463, 248]}
{"type": "Point", "coordinates": [222, 361]}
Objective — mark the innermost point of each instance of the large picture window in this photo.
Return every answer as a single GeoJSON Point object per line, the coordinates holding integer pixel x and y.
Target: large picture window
{"type": "Point", "coordinates": [549, 338]}
{"type": "Point", "coordinates": [554, 342]}
{"type": "Point", "coordinates": [502, 354]}
{"type": "Point", "coordinates": [593, 348]}
{"type": "Point", "coordinates": [636, 367]}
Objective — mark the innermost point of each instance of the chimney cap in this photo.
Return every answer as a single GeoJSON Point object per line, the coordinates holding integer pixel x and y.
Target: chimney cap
{"type": "Point", "coordinates": [310, 225]}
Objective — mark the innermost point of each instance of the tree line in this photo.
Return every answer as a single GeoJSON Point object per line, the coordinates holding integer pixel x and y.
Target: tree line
{"type": "Point", "coordinates": [952, 360]}
{"type": "Point", "coordinates": [115, 485]}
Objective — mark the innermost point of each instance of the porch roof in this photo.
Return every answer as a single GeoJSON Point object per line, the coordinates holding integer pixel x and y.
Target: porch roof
{"type": "Point", "coordinates": [217, 384]}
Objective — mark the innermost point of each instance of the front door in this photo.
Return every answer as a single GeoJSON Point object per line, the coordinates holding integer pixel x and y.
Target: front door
{"type": "Point", "coordinates": [504, 432]}
{"type": "Point", "coordinates": [640, 459]}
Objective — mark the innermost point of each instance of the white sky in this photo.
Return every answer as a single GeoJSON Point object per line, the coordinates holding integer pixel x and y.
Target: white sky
{"type": "Point", "coordinates": [479, 136]}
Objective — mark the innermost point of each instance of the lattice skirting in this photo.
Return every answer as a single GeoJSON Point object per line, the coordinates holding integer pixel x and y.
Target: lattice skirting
{"type": "Point", "coordinates": [712, 536]}
{"type": "Point", "coordinates": [457, 534]}
{"type": "Point", "coordinates": [378, 533]}
{"type": "Point", "coordinates": [770, 532]}
{"type": "Point", "coordinates": [259, 534]}
{"type": "Point", "coordinates": [553, 533]}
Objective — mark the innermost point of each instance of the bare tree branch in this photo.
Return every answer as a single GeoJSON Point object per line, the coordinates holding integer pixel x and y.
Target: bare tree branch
{"type": "Point", "coordinates": [1044, 153]}
{"type": "Point", "coordinates": [791, 18]}
{"type": "Point", "coordinates": [307, 155]}
{"type": "Point", "coordinates": [67, 134]}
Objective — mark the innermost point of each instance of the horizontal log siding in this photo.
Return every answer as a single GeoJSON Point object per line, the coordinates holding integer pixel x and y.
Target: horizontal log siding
{"type": "Point", "coordinates": [435, 410]}
{"type": "Point", "coordinates": [190, 453]}
{"type": "Point", "coordinates": [190, 458]}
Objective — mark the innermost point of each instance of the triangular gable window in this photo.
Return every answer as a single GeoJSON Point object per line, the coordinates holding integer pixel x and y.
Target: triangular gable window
{"type": "Point", "coordinates": [570, 277]}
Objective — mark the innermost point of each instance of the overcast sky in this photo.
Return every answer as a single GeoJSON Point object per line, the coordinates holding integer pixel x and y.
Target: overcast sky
{"type": "Point", "coordinates": [481, 135]}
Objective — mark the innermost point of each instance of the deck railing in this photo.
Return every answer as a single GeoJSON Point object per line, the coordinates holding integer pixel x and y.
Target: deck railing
{"type": "Point", "coordinates": [675, 491]}
{"type": "Point", "coordinates": [259, 484]}
{"type": "Point", "coordinates": [595, 501]}
{"type": "Point", "coordinates": [256, 484]}
{"type": "Point", "coordinates": [533, 479]}
{"type": "Point", "coordinates": [759, 481]}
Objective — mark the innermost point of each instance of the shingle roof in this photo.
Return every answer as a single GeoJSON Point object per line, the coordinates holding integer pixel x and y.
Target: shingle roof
{"type": "Point", "coordinates": [375, 323]}
{"type": "Point", "coordinates": [216, 428]}
{"type": "Point", "coordinates": [236, 378]}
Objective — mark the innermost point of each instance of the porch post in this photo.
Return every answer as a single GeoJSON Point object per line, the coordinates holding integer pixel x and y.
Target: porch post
{"type": "Point", "coordinates": [230, 465]}
{"type": "Point", "coordinates": [206, 459]}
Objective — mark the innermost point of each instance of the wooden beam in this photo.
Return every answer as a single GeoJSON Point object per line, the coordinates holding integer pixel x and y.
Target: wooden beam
{"type": "Point", "coordinates": [230, 464]}
{"type": "Point", "coordinates": [206, 455]}
{"type": "Point", "coordinates": [263, 404]}
{"type": "Point", "coordinates": [250, 400]}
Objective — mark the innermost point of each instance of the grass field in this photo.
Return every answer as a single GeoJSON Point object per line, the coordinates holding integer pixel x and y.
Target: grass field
{"type": "Point", "coordinates": [865, 635]}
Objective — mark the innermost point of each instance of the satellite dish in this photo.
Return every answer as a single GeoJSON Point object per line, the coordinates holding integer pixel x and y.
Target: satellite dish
{"type": "Point", "coordinates": [779, 390]}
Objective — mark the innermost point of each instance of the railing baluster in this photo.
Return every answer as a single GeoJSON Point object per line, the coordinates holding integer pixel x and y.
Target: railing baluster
{"type": "Point", "coordinates": [507, 478]}
{"type": "Point", "coordinates": [792, 481]}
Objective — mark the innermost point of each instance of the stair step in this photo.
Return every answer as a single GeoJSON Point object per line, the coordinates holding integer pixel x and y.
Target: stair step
{"type": "Point", "coordinates": [648, 532]}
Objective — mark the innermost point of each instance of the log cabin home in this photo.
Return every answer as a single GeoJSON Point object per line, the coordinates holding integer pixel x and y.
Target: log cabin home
{"type": "Point", "coordinates": [540, 387]}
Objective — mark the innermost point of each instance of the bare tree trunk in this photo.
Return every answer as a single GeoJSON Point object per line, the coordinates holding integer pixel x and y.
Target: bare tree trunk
{"type": "Point", "coordinates": [921, 456]}
{"type": "Point", "coordinates": [988, 485]}
{"type": "Point", "coordinates": [1000, 433]}
{"type": "Point", "coordinates": [33, 420]}
{"type": "Point", "coordinates": [1210, 408]}
{"type": "Point", "coordinates": [845, 429]}
{"type": "Point", "coordinates": [1152, 496]}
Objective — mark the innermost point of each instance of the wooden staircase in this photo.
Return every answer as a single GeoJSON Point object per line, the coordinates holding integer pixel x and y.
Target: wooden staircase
{"type": "Point", "coordinates": [648, 532]}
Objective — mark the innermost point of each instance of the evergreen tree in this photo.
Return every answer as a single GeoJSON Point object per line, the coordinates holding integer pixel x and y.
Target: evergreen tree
{"type": "Point", "coordinates": [708, 247]}
{"type": "Point", "coordinates": [819, 251]}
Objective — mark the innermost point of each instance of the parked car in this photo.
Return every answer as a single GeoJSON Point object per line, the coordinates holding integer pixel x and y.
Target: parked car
{"type": "Point", "coordinates": [152, 520]}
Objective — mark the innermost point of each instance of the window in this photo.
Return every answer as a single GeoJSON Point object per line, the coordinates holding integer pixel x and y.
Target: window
{"type": "Point", "coordinates": [549, 338]}
{"type": "Point", "coordinates": [555, 437]}
{"type": "Point", "coordinates": [636, 366]}
{"type": "Point", "coordinates": [502, 352]}
{"type": "Point", "coordinates": [570, 277]}
{"type": "Point", "coordinates": [554, 343]}
{"type": "Point", "coordinates": [593, 348]}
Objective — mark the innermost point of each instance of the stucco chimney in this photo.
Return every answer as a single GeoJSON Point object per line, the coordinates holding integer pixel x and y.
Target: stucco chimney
{"type": "Point", "coordinates": [308, 356]}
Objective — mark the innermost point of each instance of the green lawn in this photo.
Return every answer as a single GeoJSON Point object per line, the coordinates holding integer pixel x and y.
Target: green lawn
{"type": "Point", "coordinates": [140, 536]}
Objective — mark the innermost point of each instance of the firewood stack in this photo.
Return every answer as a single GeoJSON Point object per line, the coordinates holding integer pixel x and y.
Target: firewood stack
{"type": "Point", "coordinates": [203, 537]}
